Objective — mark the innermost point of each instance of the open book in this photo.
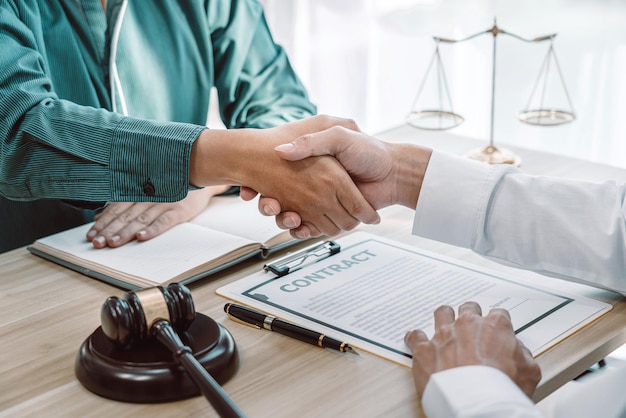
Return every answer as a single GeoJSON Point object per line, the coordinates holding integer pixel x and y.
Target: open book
{"type": "Point", "coordinates": [229, 231]}
{"type": "Point", "coordinates": [374, 290]}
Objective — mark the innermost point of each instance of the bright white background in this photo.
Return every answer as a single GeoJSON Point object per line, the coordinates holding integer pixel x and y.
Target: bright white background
{"type": "Point", "coordinates": [365, 59]}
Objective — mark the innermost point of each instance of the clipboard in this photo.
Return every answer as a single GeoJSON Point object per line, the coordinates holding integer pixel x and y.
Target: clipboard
{"type": "Point", "coordinates": [311, 254]}
{"type": "Point", "coordinates": [369, 291]}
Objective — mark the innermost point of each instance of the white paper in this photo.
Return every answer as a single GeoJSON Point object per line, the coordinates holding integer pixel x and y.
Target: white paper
{"type": "Point", "coordinates": [375, 290]}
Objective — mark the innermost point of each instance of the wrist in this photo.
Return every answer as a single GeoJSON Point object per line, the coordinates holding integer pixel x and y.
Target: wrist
{"type": "Point", "coordinates": [195, 158]}
{"type": "Point", "coordinates": [217, 157]}
{"type": "Point", "coordinates": [410, 162]}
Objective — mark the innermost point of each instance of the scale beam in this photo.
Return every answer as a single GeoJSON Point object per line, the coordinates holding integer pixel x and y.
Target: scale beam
{"type": "Point", "coordinates": [444, 116]}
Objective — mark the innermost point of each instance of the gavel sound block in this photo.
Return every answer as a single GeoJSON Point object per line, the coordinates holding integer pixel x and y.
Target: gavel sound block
{"type": "Point", "coordinates": [120, 361]}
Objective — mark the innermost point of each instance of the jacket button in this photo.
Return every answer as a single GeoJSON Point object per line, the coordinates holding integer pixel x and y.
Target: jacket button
{"type": "Point", "coordinates": [148, 188]}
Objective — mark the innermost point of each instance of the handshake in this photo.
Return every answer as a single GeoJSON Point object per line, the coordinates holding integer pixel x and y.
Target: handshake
{"type": "Point", "coordinates": [320, 175]}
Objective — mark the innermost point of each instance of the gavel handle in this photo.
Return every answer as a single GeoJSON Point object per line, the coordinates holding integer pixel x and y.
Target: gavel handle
{"type": "Point", "coordinates": [209, 387]}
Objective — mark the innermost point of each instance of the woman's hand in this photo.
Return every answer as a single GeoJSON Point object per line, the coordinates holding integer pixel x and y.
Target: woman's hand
{"type": "Point", "coordinates": [122, 222]}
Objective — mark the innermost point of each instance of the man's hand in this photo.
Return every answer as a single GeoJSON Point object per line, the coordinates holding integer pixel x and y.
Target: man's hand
{"type": "Point", "coordinates": [122, 222]}
{"type": "Point", "coordinates": [385, 173]}
{"type": "Point", "coordinates": [318, 189]}
{"type": "Point", "coordinates": [472, 340]}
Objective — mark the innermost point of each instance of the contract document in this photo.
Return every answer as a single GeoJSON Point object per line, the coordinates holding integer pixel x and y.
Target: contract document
{"type": "Point", "coordinates": [374, 290]}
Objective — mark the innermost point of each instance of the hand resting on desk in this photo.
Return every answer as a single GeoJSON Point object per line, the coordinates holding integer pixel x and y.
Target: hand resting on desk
{"type": "Point", "coordinates": [472, 340]}
{"type": "Point", "coordinates": [122, 222]}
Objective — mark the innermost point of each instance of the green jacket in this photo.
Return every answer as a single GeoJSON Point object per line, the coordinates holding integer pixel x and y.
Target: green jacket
{"type": "Point", "coordinates": [60, 136]}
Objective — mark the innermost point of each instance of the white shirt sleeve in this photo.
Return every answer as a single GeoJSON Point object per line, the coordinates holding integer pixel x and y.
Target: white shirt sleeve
{"type": "Point", "coordinates": [475, 391]}
{"type": "Point", "coordinates": [564, 228]}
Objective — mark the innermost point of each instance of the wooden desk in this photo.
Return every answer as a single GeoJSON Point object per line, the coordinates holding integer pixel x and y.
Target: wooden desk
{"type": "Point", "coordinates": [47, 311]}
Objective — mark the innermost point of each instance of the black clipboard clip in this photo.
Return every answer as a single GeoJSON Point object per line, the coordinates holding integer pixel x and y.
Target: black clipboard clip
{"type": "Point", "coordinates": [306, 256]}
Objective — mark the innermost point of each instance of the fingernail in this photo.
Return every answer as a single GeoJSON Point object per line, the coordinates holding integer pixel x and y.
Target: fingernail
{"type": "Point", "coordinates": [268, 210]}
{"type": "Point", "coordinates": [115, 238]}
{"type": "Point", "coordinates": [91, 234]}
{"type": "Point", "coordinates": [284, 147]}
{"type": "Point", "coordinates": [289, 223]}
{"type": "Point", "coordinates": [142, 233]}
{"type": "Point", "coordinates": [100, 240]}
{"type": "Point", "coordinates": [302, 234]}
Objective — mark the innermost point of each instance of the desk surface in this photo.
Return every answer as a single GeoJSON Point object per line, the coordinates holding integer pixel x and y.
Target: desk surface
{"type": "Point", "coordinates": [47, 311]}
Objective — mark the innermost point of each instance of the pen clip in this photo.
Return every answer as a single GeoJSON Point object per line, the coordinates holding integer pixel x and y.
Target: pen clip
{"type": "Point", "coordinates": [308, 255]}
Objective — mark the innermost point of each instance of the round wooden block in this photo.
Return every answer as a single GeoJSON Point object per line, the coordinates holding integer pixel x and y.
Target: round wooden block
{"type": "Point", "coordinates": [147, 373]}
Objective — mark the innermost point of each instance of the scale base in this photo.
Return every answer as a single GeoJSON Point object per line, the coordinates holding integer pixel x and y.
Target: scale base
{"type": "Point", "coordinates": [147, 373]}
{"type": "Point", "coordinates": [494, 155]}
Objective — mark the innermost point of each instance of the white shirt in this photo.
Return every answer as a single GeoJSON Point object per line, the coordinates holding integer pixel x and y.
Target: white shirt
{"type": "Point", "coordinates": [563, 228]}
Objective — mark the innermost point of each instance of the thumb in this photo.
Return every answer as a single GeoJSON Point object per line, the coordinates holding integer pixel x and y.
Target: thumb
{"type": "Point", "coordinates": [319, 143]}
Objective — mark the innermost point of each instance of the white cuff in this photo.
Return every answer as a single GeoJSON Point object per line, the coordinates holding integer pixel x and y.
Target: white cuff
{"type": "Point", "coordinates": [475, 391]}
{"type": "Point", "coordinates": [453, 199]}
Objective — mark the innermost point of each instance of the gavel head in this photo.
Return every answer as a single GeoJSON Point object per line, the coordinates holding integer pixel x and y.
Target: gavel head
{"type": "Point", "coordinates": [129, 319]}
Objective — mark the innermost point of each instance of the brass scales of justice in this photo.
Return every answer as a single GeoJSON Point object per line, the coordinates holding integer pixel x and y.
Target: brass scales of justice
{"type": "Point", "coordinates": [443, 118]}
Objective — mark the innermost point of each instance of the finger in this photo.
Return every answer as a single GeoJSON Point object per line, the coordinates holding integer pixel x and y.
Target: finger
{"type": "Point", "coordinates": [307, 146]}
{"type": "Point", "coordinates": [270, 207]}
{"type": "Point", "coordinates": [358, 208]}
{"type": "Point", "coordinates": [305, 231]}
{"type": "Point", "coordinates": [102, 219]}
{"type": "Point", "coordinates": [131, 231]}
{"type": "Point", "coordinates": [352, 207]}
{"type": "Point", "coordinates": [302, 232]}
{"type": "Point", "coordinates": [141, 221]}
{"type": "Point", "coordinates": [444, 315]}
{"type": "Point", "coordinates": [327, 142]}
{"type": "Point", "coordinates": [108, 230]}
{"type": "Point", "coordinates": [349, 207]}
{"type": "Point", "coordinates": [246, 193]}
{"type": "Point", "coordinates": [322, 122]}
{"type": "Point", "coordinates": [327, 224]}
{"type": "Point", "coordinates": [309, 229]}
{"type": "Point", "coordinates": [319, 123]}
{"type": "Point", "coordinates": [288, 220]}
{"type": "Point", "coordinates": [150, 224]}
{"type": "Point", "coordinates": [470, 308]}
{"type": "Point", "coordinates": [157, 218]}
{"type": "Point", "coordinates": [414, 338]}
{"type": "Point", "coordinates": [500, 312]}
{"type": "Point", "coordinates": [501, 317]}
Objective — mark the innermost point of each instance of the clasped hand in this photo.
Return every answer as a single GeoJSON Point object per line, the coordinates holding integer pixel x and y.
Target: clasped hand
{"type": "Point", "coordinates": [318, 191]}
{"type": "Point", "coordinates": [385, 173]}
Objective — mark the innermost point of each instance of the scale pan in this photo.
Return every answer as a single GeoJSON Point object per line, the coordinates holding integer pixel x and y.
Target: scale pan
{"type": "Point", "coordinates": [546, 117]}
{"type": "Point", "coordinates": [434, 120]}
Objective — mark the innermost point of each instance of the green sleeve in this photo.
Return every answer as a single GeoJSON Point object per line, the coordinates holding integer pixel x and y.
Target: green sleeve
{"type": "Point", "coordinates": [53, 148]}
{"type": "Point", "coordinates": [256, 84]}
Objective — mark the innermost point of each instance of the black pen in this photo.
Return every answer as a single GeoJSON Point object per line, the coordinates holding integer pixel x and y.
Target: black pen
{"type": "Point", "coordinates": [260, 320]}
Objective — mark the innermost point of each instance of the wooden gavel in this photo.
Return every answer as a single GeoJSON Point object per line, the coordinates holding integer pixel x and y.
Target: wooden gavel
{"type": "Point", "coordinates": [159, 313]}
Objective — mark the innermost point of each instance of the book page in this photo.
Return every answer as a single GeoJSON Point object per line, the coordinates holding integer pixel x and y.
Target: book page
{"type": "Point", "coordinates": [228, 231]}
{"type": "Point", "coordinates": [235, 216]}
{"type": "Point", "coordinates": [374, 290]}
{"type": "Point", "coordinates": [178, 253]}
